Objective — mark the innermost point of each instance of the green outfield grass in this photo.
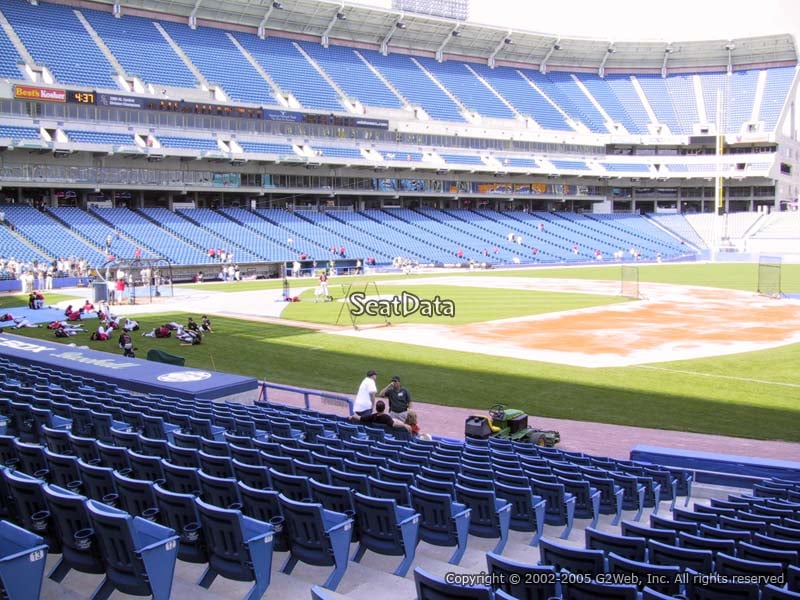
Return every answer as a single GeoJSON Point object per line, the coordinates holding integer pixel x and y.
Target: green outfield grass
{"type": "Point", "coordinates": [471, 304]}
{"type": "Point", "coordinates": [17, 300]}
{"type": "Point", "coordinates": [752, 395]}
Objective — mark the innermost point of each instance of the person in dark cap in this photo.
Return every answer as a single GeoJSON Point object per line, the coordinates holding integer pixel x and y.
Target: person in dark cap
{"type": "Point", "coordinates": [366, 394]}
{"type": "Point", "coordinates": [399, 399]}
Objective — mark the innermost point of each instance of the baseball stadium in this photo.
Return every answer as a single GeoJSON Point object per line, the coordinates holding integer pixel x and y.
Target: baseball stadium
{"type": "Point", "coordinates": [567, 267]}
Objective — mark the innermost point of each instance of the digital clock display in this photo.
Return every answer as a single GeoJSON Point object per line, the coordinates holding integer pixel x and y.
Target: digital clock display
{"type": "Point", "coordinates": [78, 97]}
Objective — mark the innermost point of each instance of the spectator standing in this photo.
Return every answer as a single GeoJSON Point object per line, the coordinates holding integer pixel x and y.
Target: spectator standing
{"type": "Point", "coordinates": [120, 291]}
{"type": "Point", "coordinates": [399, 399]}
{"type": "Point", "coordinates": [366, 394]}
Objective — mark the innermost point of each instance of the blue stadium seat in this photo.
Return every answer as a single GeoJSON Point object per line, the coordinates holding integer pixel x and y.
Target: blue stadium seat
{"type": "Point", "coordinates": [80, 63]}
{"type": "Point", "coordinates": [136, 496]}
{"type": "Point", "coordinates": [527, 509]}
{"type": "Point", "coordinates": [179, 512]}
{"type": "Point", "coordinates": [710, 588]}
{"type": "Point", "coordinates": [153, 447]}
{"type": "Point", "coordinates": [317, 537]}
{"type": "Point", "coordinates": [386, 528]}
{"type": "Point", "coordinates": [156, 428]}
{"type": "Point", "coordinates": [716, 545]}
{"type": "Point", "coordinates": [634, 492]}
{"type": "Point", "coordinates": [219, 491]}
{"type": "Point", "coordinates": [570, 558]}
{"type": "Point", "coordinates": [430, 587]}
{"type": "Point", "coordinates": [686, 558]}
{"type": "Point", "coordinates": [436, 486]}
{"type": "Point", "coordinates": [720, 533]}
{"type": "Point", "coordinates": [264, 505]}
{"type": "Point", "coordinates": [560, 504]}
{"type": "Point", "coordinates": [532, 582]}
{"type": "Point", "coordinates": [184, 457]}
{"type": "Point", "coordinates": [8, 451]}
{"type": "Point", "coordinates": [141, 49]}
{"type": "Point", "coordinates": [22, 422]}
{"type": "Point", "coordinates": [181, 480]}
{"type": "Point", "coordinates": [633, 529]}
{"type": "Point", "coordinates": [397, 491]}
{"type": "Point", "coordinates": [22, 562]}
{"type": "Point", "coordinates": [294, 487]}
{"type": "Point", "coordinates": [103, 423]}
{"type": "Point", "coordinates": [443, 522]}
{"type": "Point", "coordinates": [30, 506]}
{"type": "Point", "coordinates": [662, 578]}
{"type": "Point", "coordinates": [489, 516]}
{"type": "Point", "coordinates": [149, 468]}
{"type": "Point", "coordinates": [63, 469]}
{"type": "Point", "coordinates": [70, 521]}
{"type": "Point", "coordinates": [139, 555]}
{"type": "Point", "coordinates": [587, 499]}
{"type": "Point", "coordinates": [739, 566]}
{"type": "Point", "coordinates": [591, 590]}
{"type": "Point", "coordinates": [663, 523]}
{"type": "Point", "coordinates": [357, 482]}
{"type": "Point", "coordinates": [216, 466]}
{"type": "Point", "coordinates": [240, 548]}
{"type": "Point", "coordinates": [114, 457]}
{"type": "Point", "coordinates": [98, 483]}
{"type": "Point", "coordinates": [772, 592]}
{"type": "Point", "coordinates": [126, 439]}
{"type": "Point", "coordinates": [334, 497]}
{"type": "Point", "coordinates": [630, 547]}
{"type": "Point", "coordinates": [256, 476]}
{"type": "Point", "coordinates": [32, 460]}
{"type": "Point", "coordinates": [242, 454]}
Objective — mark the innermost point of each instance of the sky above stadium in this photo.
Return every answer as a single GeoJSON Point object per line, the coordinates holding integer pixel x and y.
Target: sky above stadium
{"type": "Point", "coordinates": [676, 20]}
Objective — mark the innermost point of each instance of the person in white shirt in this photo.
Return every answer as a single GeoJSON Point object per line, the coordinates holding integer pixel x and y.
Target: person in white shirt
{"type": "Point", "coordinates": [366, 395]}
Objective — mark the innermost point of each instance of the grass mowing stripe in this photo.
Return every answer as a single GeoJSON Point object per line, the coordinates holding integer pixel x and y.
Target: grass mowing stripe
{"type": "Point", "coordinates": [718, 376]}
{"type": "Point", "coordinates": [472, 304]}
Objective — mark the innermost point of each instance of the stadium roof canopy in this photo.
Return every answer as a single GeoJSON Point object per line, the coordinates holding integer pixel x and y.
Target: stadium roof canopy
{"type": "Point", "coordinates": [398, 32]}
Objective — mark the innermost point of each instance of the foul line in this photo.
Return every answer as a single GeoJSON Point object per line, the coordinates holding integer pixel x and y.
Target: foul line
{"type": "Point", "coordinates": [717, 376]}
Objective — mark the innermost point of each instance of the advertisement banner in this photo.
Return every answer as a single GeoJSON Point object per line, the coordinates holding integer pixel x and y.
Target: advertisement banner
{"type": "Point", "coordinates": [31, 92]}
{"type": "Point", "coordinates": [120, 101]}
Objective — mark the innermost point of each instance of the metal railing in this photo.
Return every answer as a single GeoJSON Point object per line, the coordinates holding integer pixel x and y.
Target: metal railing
{"type": "Point", "coordinates": [326, 398]}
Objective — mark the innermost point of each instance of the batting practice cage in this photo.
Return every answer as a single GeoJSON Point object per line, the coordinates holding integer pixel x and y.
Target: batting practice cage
{"type": "Point", "coordinates": [769, 276]}
{"type": "Point", "coordinates": [145, 279]}
{"type": "Point", "coordinates": [629, 282]}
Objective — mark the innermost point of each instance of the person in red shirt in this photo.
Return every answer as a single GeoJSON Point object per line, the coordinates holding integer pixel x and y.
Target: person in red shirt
{"type": "Point", "coordinates": [120, 293]}
{"type": "Point", "coordinates": [411, 423]}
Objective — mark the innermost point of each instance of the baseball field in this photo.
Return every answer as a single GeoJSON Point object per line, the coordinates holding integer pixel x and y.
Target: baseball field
{"type": "Point", "coordinates": [697, 351]}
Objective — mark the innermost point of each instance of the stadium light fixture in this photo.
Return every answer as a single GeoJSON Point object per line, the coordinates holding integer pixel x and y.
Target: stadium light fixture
{"type": "Point", "coordinates": [394, 28]}
{"type": "Point", "coordinates": [277, 5]}
{"type": "Point", "coordinates": [730, 46]}
{"type": "Point", "coordinates": [501, 44]}
{"type": "Point", "coordinates": [667, 51]}
{"type": "Point", "coordinates": [454, 33]}
{"type": "Point", "coordinates": [341, 16]}
{"type": "Point", "coordinates": [555, 47]}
